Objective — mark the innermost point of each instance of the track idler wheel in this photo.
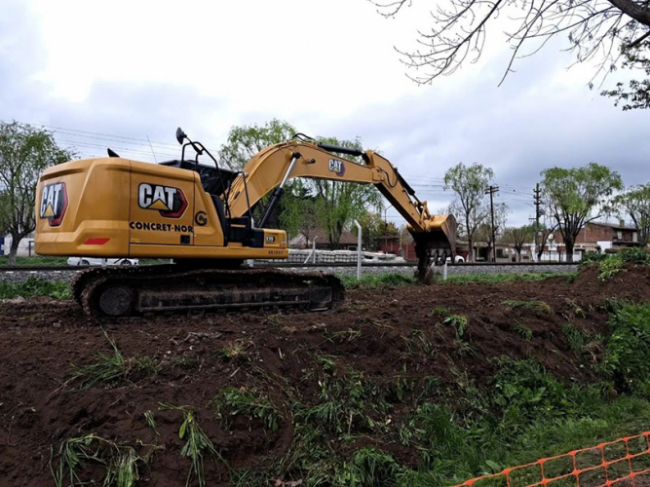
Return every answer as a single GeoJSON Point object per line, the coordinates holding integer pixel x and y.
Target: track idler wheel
{"type": "Point", "coordinates": [115, 301]}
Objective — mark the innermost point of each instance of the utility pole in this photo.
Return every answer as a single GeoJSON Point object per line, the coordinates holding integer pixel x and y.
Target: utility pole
{"type": "Point", "coordinates": [491, 190]}
{"type": "Point", "coordinates": [538, 200]}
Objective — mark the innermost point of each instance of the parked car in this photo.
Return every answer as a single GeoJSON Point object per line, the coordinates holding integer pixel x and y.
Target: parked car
{"type": "Point", "coordinates": [459, 259]}
{"type": "Point", "coordinates": [102, 262]}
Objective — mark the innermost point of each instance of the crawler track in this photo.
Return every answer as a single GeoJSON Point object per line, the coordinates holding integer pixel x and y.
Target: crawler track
{"type": "Point", "coordinates": [119, 292]}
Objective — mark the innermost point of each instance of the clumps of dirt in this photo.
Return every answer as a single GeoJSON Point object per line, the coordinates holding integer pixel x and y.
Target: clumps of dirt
{"type": "Point", "coordinates": [266, 388]}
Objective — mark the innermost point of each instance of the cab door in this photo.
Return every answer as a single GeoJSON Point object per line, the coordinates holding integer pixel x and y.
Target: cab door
{"type": "Point", "coordinates": [162, 205]}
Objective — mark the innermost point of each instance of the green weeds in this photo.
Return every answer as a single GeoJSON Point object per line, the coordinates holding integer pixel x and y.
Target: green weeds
{"type": "Point", "coordinates": [523, 331]}
{"type": "Point", "coordinates": [197, 444]}
{"type": "Point", "coordinates": [574, 336]}
{"type": "Point", "coordinates": [540, 306]}
{"type": "Point", "coordinates": [111, 369]}
{"type": "Point", "coordinates": [35, 287]}
{"type": "Point", "coordinates": [459, 322]}
{"type": "Point", "coordinates": [232, 402]}
{"type": "Point", "coordinates": [369, 467]}
{"type": "Point", "coordinates": [120, 463]}
{"type": "Point", "coordinates": [392, 279]}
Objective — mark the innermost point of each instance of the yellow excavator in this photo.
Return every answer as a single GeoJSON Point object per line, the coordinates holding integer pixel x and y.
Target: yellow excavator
{"type": "Point", "coordinates": [200, 216]}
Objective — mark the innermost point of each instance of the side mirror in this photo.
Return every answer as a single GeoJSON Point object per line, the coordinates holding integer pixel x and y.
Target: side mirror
{"type": "Point", "coordinates": [180, 135]}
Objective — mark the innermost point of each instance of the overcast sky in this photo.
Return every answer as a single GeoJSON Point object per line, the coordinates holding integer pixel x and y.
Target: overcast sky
{"type": "Point", "coordinates": [114, 73]}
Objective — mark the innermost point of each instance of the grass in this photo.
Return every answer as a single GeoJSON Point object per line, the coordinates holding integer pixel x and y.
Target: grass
{"type": "Point", "coordinates": [35, 287]}
{"type": "Point", "coordinates": [459, 322]}
{"type": "Point", "coordinates": [504, 277]}
{"type": "Point", "coordinates": [523, 331]}
{"type": "Point", "coordinates": [197, 444]}
{"type": "Point", "coordinates": [574, 336]}
{"type": "Point", "coordinates": [385, 279]}
{"type": "Point", "coordinates": [120, 463]}
{"type": "Point", "coordinates": [111, 368]}
{"type": "Point", "coordinates": [37, 260]}
{"type": "Point", "coordinates": [233, 402]}
{"type": "Point", "coordinates": [393, 279]}
{"type": "Point", "coordinates": [535, 305]}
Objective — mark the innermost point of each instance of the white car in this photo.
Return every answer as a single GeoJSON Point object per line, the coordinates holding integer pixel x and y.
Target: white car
{"type": "Point", "coordinates": [458, 260]}
{"type": "Point", "coordinates": [102, 262]}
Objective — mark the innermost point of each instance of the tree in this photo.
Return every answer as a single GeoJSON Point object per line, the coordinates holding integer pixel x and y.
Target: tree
{"type": "Point", "coordinates": [339, 203]}
{"type": "Point", "coordinates": [306, 203]}
{"type": "Point", "coordinates": [246, 141]}
{"type": "Point", "coordinates": [25, 151]}
{"type": "Point", "coordinates": [469, 183]}
{"type": "Point", "coordinates": [375, 230]}
{"type": "Point", "coordinates": [637, 95]}
{"type": "Point", "coordinates": [484, 230]}
{"type": "Point", "coordinates": [594, 30]}
{"type": "Point", "coordinates": [518, 237]}
{"type": "Point", "coordinates": [635, 203]}
{"type": "Point", "coordinates": [574, 194]}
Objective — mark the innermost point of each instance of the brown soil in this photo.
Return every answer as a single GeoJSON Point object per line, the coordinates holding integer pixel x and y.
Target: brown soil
{"type": "Point", "coordinates": [40, 338]}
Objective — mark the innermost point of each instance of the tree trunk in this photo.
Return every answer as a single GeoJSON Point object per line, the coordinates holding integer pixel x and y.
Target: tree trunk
{"type": "Point", "coordinates": [569, 250]}
{"type": "Point", "coordinates": [13, 250]}
{"type": "Point", "coordinates": [518, 255]}
{"type": "Point", "coordinates": [470, 256]}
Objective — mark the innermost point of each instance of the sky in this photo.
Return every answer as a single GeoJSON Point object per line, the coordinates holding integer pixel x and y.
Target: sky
{"type": "Point", "coordinates": [125, 74]}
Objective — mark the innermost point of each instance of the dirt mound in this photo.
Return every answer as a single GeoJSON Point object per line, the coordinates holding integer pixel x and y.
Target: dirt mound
{"type": "Point", "coordinates": [401, 345]}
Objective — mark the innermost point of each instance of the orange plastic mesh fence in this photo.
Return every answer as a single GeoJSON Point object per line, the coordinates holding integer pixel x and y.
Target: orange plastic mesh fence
{"type": "Point", "coordinates": [619, 463]}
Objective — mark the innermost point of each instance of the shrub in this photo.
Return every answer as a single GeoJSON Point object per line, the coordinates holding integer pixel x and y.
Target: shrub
{"type": "Point", "coordinates": [628, 347]}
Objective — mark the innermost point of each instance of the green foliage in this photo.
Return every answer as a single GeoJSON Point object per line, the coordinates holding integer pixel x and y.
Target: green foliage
{"type": "Point", "coordinates": [459, 322]}
{"type": "Point", "coordinates": [611, 264]}
{"type": "Point", "coordinates": [575, 336]}
{"type": "Point", "coordinates": [635, 204]}
{"type": "Point", "coordinates": [35, 287]}
{"type": "Point", "coordinates": [540, 306]}
{"type": "Point", "coordinates": [505, 277]}
{"type": "Point", "coordinates": [120, 463]}
{"type": "Point", "coordinates": [197, 444]}
{"type": "Point", "coordinates": [25, 151]}
{"type": "Point", "coordinates": [518, 237]}
{"type": "Point", "coordinates": [339, 203]}
{"type": "Point", "coordinates": [369, 467]}
{"type": "Point", "coordinates": [37, 260]}
{"type": "Point", "coordinates": [233, 402]}
{"type": "Point", "coordinates": [375, 230]}
{"type": "Point", "coordinates": [378, 280]}
{"type": "Point", "coordinates": [628, 346]}
{"type": "Point", "coordinates": [347, 402]}
{"type": "Point", "coordinates": [522, 330]}
{"type": "Point", "coordinates": [637, 94]}
{"type": "Point", "coordinates": [469, 183]}
{"type": "Point", "coordinates": [574, 193]}
{"type": "Point", "coordinates": [111, 369]}
{"type": "Point", "coordinates": [246, 141]}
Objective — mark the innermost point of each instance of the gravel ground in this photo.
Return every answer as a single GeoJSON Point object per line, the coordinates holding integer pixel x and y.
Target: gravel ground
{"type": "Point", "coordinates": [19, 276]}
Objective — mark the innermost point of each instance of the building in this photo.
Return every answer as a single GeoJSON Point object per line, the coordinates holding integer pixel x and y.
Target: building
{"type": "Point", "coordinates": [594, 237]}
{"type": "Point", "coordinates": [25, 247]}
{"type": "Point", "coordinates": [348, 240]}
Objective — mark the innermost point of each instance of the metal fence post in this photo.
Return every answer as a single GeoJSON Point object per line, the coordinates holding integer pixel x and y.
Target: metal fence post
{"type": "Point", "coordinates": [358, 250]}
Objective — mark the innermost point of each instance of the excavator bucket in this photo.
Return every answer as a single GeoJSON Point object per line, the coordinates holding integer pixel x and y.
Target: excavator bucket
{"type": "Point", "coordinates": [436, 244]}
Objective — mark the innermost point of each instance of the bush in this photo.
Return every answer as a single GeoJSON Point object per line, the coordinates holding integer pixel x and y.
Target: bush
{"type": "Point", "coordinates": [628, 347]}
{"type": "Point", "coordinates": [34, 287]}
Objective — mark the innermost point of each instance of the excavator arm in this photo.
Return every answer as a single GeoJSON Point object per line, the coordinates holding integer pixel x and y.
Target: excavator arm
{"type": "Point", "coordinates": [269, 170]}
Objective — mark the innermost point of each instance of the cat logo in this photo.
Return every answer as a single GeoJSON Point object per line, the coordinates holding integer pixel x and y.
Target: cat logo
{"type": "Point", "coordinates": [337, 167]}
{"type": "Point", "coordinates": [270, 239]}
{"type": "Point", "coordinates": [169, 201]}
{"type": "Point", "coordinates": [54, 202]}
